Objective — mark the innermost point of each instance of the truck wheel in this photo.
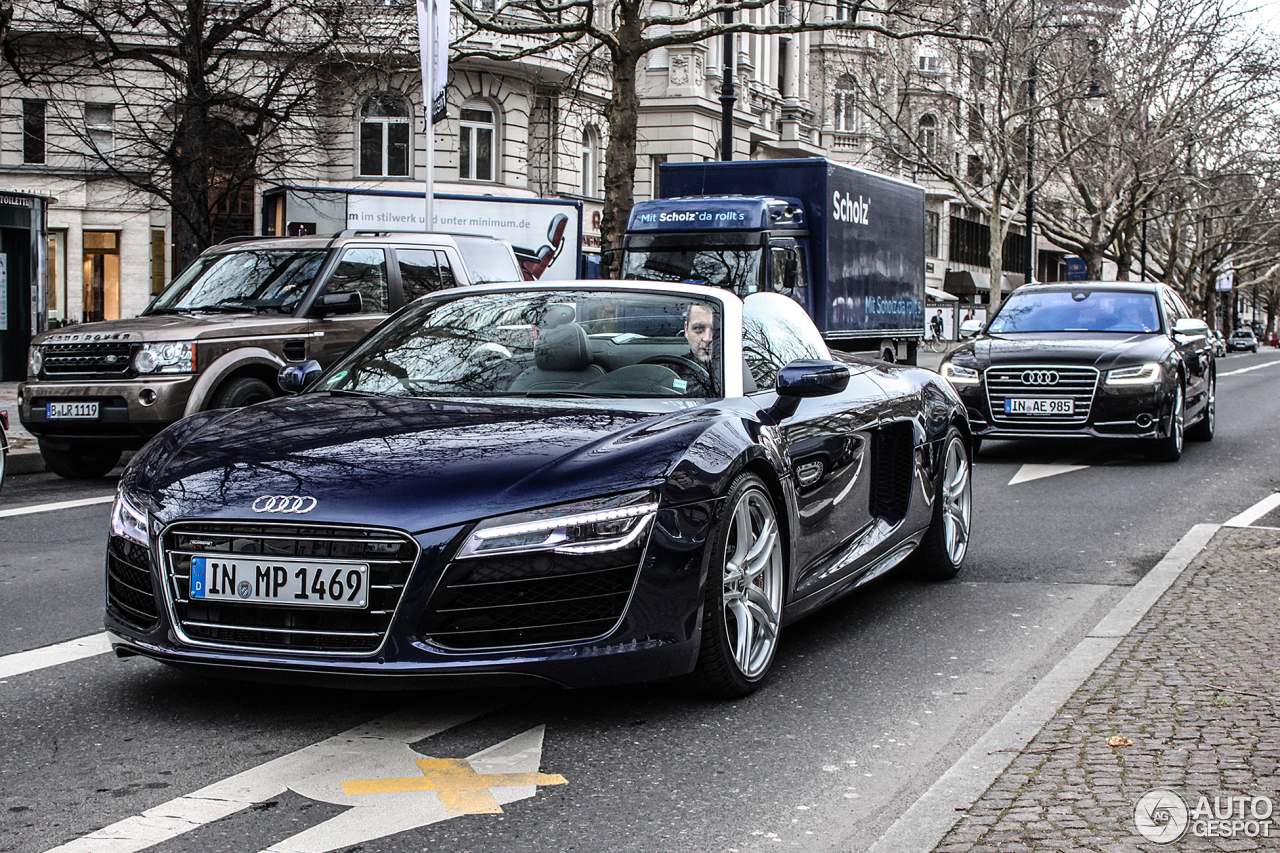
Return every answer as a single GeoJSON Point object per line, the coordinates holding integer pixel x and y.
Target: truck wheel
{"type": "Point", "coordinates": [887, 356]}
{"type": "Point", "coordinates": [244, 391]}
{"type": "Point", "coordinates": [80, 461]}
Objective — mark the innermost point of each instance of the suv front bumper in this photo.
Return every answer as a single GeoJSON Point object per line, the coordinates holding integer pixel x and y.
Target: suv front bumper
{"type": "Point", "coordinates": [129, 412]}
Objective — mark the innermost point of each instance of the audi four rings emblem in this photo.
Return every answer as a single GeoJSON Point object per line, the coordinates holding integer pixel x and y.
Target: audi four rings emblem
{"type": "Point", "coordinates": [1040, 377]}
{"type": "Point", "coordinates": [296, 504]}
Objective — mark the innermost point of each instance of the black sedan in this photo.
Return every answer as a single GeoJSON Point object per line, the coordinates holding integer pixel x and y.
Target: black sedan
{"type": "Point", "coordinates": [580, 483]}
{"type": "Point", "coordinates": [1090, 359]}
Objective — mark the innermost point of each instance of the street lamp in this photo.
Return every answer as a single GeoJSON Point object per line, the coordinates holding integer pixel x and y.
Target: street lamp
{"type": "Point", "coordinates": [727, 95]}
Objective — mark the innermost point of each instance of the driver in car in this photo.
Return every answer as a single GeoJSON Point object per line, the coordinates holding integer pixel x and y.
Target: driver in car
{"type": "Point", "coordinates": [700, 332]}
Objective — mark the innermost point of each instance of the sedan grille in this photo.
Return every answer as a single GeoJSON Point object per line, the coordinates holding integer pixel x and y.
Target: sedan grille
{"type": "Point", "coordinates": [390, 556]}
{"type": "Point", "coordinates": [130, 597]}
{"type": "Point", "coordinates": [108, 358]}
{"type": "Point", "coordinates": [1041, 382]}
{"type": "Point", "coordinates": [530, 599]}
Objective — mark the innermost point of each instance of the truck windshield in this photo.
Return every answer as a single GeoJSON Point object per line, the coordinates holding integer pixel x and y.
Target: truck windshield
{"type": "Point", "coordinates": [735, 268]}
{"type": "Point", "coordinates": [248, 280]}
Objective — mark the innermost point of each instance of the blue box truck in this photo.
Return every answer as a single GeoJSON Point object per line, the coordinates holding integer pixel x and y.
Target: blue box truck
{"type": "Point", "coordinates": [845, 243]}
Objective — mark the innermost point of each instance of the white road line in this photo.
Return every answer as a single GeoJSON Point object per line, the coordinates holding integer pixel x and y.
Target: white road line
{"type": "Point", "coordinates": [19, 663]}
{"type": "Point", "coordinates": [1255, 512]}
{"type": "Point", "coordinates": [1247, 369]}
{"type": "Point", "coordinates": [1035, 471]}
{"type": "Point", "coordinates": [28, 510]}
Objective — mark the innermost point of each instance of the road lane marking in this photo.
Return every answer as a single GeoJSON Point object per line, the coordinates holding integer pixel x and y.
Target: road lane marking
{"type": "Point", "coordinates": [1247, 369]}
{"type": "Point", "coordinates": [1031, 471]}
{"type": "Point", "coordinates": [1255, 512]}
{"type": "Point", "coordinates": [29, 510]}
{"type": "Point", "coordinates": [20, 663]}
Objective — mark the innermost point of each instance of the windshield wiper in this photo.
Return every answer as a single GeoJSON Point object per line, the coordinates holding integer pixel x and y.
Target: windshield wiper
{"type": "Point", "coordinates": [350, 392]}
{"type": "Point", "coordinates": [169, 311]}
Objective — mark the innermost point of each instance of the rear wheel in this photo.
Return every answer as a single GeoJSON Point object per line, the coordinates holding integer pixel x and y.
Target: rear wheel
{"type": "Point", "coordinates": [742, 611]}
{"type": "Point", "coordinates": [4, 460]}
{"type": "Point", "coordinates": [244, 391]}
{"type": "Point", "coordinates": [80, 461]}
{"type": "Point", "coordinates": [1202, 430]}
{"type": "Point", "coordinates": [945, 543]}
{"type": "Point", "coordinates": [1169, 449]}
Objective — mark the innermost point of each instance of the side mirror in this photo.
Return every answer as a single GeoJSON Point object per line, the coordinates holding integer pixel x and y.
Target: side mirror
{"type": "Point", "coordinates": [294, 378]}
{"type": "Point", "coordinates": [969, 328]}
{"type": "Point", "coordinates": [342, 302]}
{"type": "Point", "coordinates": [807, 378]}
{"type": "Point", "coordinates": [1190, 326]}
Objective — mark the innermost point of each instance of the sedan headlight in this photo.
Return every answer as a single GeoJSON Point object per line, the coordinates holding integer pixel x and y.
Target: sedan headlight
{"type": "Point", "coordinates": [584, 527]}
{"type": "Point", "coordinates": [166, 358]}
{"type": "Point", "coordinates": [35, 361]}
{"type": "Point", "coordinates": [1143, 374]}
{"type": "Point", "coordinates": [958, 375]}
{"type": "Point", "coordinates": [129, 521]}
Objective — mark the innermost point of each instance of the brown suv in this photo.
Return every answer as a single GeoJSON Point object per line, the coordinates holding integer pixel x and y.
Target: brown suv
{"type": "Point", "coordinates": [218, 335]}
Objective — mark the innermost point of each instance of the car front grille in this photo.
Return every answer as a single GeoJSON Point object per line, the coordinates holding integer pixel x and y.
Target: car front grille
{"type": "Point", "coordinates": [892, 467]}
{"type": "Point", "coordinates": [106, 358]}
{"type": "Point", "coordinates": [530, 599]}
{"type": "Point", "coordinates": [130, 595]}
{"type": "Point", "coordinates": [288, 627]}
{"type": "Point", "coordinates": [1041, 381]}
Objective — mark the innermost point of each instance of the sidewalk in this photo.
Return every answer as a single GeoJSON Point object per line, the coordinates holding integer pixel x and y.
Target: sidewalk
{"type": "Point", "coordinates": [1181, 716]}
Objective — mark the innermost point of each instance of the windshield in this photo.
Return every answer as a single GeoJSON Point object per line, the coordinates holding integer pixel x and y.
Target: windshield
{"type": "Point", "coordinates": [541, 344]}
{"type": "Point", "coordinates": [1077, 311]}
{"type": "Point", "coordinates": [735, 268]}
{"type": "Point", "coordinates": [248, 280]}
{"type": "Point", "coordinates": [1240, 333]}
{"type": "Point", "coordinates": [488, 260]}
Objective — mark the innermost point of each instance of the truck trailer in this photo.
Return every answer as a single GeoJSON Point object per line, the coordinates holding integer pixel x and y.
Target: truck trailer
{"type": "Point", "coordinates": [845, 243]}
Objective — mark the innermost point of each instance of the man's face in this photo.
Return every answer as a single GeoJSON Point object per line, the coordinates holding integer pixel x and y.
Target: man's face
{"type": "Point", "coordinates": [699, 331]}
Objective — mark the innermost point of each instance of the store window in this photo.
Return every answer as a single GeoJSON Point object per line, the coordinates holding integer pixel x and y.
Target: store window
{"type": "Point", "coordinates": [33, 131]}
{"type": "Point", "coordinates": [477, 130]}
{"type": "Point", "coordinates": [101, 275]}
{"type": "Point", "coordinates": [158, 254]}
{"type": "Point", "coordinates": [384, 136]}
{"type": "Point", "coordinates": [55, 283]}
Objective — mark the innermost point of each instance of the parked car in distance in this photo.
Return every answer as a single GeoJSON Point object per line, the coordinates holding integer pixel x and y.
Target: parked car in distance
{"type": "Point", "coordinates": [1116, 360]}
{"type": "Point", "coordinates": [581, 483]}
{"type": "Point", "coordinates": [1219, 343]}
{"type": "Point", "coordinates": [1241, 340]}
{"type": "Point", "coordinates": [217, 336]}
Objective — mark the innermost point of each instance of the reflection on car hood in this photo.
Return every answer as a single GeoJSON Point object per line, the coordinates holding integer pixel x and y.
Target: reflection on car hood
{"type": "Point", "coordinates": [409, 463]}
{"type": "Point", "coordinates": [1101, 350]}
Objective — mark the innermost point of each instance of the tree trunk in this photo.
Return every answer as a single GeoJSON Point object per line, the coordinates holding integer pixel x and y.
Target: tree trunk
{"type": "Point", "coordinates": [995, 261]}
{"type": "Point", "coordinates": [190, 200]}
{"type": "Point", "coordinates": [623, 114]}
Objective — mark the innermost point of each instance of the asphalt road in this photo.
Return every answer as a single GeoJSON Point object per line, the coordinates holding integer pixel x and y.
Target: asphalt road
{"type": "Point", "coordinates": [871, 700]}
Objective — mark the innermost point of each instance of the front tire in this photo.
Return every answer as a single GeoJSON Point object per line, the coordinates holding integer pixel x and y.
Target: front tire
{"type": "Point", "coordinates": [742, 609]}
{"type": "Point", "coordinates": [1202, 430]}
{"type": "Point", "coordinates": [242, 392]}
{"type": "Point", "coordinates": [945, 543]}
{"type": "Point", "coordinates": [80, 461]}
{"type": "Point", "coordinates": [1169, 448]}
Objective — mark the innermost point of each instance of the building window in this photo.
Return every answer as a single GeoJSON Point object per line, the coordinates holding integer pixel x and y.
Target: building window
{"type": "Point", "coordinates": [158, 254]}
{"type": "Point", "coordinates": [101, 275]}
{"type": "Point", "coordinates": [977, 71]}
{"type": "Point", "coordinates": [588, 185]}
{"type": "Point", "coordinates": [927, 60]}
{"type": "Point", "coordinates": [384, 136]}
{"type": "Point", "coordinates": [476, 153]}
{"type": "Point", "coordinates": [655, 174]}
{"type": "Point", "coordinates": [33, 145]}
{"type": "Point", "coordinates": [975, 124]}
{"type": "Point", "coordinates": [932, 236]}
{"type": "Point", "coordinates": [846, 11]}
{"type": "Point", "coordinates": [928, 135]}
{"type": "Point", "coordinates": [55, 284]}
{"type": "Point", "coordinates": [846, 104]}
{"type": "Point", "coordinates": [973, 172]}
{"type": "Point", "coordinates": [100, 128]}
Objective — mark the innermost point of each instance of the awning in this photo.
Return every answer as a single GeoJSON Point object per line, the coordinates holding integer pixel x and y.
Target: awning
{"type": "Point", "coordinates": [969, 283]}
{"type": "Point", "coordinates": [934, 295]}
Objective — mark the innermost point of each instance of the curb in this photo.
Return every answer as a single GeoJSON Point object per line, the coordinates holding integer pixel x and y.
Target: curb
{"type": "Point", "coordinates": [25, 462]}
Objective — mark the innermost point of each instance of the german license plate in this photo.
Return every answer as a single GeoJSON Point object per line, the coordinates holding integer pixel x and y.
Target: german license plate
{"type": "Point", "coordinates": [280, 581]}
{"type": "Point", "coordinates": [1039, 406]}
{"type": "Point", "coordinates": [70, 410]}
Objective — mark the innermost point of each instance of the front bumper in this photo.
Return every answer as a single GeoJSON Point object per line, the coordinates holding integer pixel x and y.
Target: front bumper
{"type": "Point", "coordinates": [657, 635]}
{"type": "Point", "coordinates": [130, 412]}
{"type": "Point", "coordinates": [1125, 411]}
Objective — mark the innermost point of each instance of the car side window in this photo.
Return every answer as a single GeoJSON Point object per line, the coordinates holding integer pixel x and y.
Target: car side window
{"type": "Point", "coordinates": [776, 331]}
{"type": "Point", "coordinates": [1171, 310]}
{"type": "Point", "coordinates": [423, 271]}
{"type": "Point", "coordinates": [363, 270]}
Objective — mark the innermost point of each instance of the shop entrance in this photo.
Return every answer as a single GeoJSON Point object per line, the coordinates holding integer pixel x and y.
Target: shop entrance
{"type": "Point", "coordinates": [22, 248]}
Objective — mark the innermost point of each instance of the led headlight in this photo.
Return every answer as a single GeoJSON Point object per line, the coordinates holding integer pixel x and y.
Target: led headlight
{"type": "Point", "coordinates": [35, 361]}
{"type": "Point", "coordinates": [128, 521]}
{"type": "Point", "coordinates": [1143, 374]}
{"type": "Point", "coordinates": [584, 527]}
{"type": "Point", "coordinates": [166, 358]}
{"type": "Point", "coordinates": [958, 375]}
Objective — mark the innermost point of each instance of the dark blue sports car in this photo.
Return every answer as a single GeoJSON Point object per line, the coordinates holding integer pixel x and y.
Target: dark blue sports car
{"type": "Point", "coordinates": [582, 483]}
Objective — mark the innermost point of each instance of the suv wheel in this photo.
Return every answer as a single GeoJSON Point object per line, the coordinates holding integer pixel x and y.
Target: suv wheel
{"type": "Point", "coordinates": [80, 461]}
{"type": "Point", "coordinates": [244, 391]}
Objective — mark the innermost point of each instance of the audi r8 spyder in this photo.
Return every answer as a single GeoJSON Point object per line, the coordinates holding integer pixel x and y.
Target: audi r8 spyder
{"type": "Point", "coordinates": [1090, 359]}
{"type": "Point", "coordinates": [581, 483]}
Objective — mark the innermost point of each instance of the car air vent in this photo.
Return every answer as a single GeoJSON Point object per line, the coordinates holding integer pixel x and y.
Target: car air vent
{"type": "Point", "coordinates": [892, 464]}
{"type": "Point", "coordinates": [295, 350]}
{"type": "Point", "coordinates": [130, 596]}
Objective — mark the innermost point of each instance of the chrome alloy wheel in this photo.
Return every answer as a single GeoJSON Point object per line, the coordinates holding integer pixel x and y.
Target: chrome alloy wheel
{"type": "Point", "coordinates": [957, 498]}
{"type": "Point", "coordinates": [1178, 426]}
{"type": "Point", "coordinates": [752, 588]}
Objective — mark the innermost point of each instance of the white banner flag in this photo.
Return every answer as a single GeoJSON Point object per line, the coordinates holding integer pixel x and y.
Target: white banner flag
{"type": "Point", "coordinates": [433, 43]}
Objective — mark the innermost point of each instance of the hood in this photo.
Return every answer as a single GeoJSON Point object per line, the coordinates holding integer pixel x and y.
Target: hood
{"type": "Point", "coordinates": [406, 463]}
{"type": "Point", "coordinates": [1101, 350]}
{"type": "Point", "coordinates": [169, 327]}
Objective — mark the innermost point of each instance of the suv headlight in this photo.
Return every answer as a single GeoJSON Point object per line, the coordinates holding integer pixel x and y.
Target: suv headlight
{"type": "Point", "coordinates": [584, 527]}
{"type": "Point", "coordinates": [128, 521]}
{"type": "Point", "coordinates": [166, 358]}
{"type": "Point", "coordinates": [1143, 374]}
{"type": "Point", "coordinates": [958, 375]}
{"type": "Point", "coordinates": [35, 361]}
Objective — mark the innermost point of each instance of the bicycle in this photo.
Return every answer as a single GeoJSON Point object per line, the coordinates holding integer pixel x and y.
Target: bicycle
{"type": "Point", "coordinates": [934, 342]}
